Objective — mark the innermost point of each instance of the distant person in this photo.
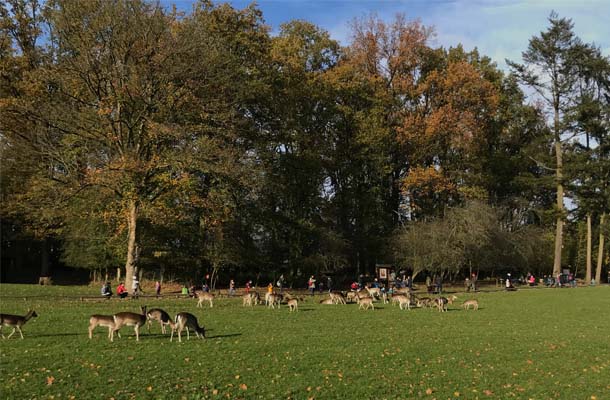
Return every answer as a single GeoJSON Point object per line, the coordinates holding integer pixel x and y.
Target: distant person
{"type": "Point", "coordinates": [410, 282]}
{"type": "Point", "coordinates": [509, 283]}
{"type": "Point", "coordinates": [185, 290]}
{"type": "Point", "coordinates": [329, 283]}
{"type": "Point", "coordinates": [158, 288]}
{"type": "Point", "coordinates": [270, 288]}
{"type": "Point", "coordinates": [248, 286]}
{"type": "Point", "coordinates": [106, 291]}
{"type": "Point", "coordinates": [231, 287]}
{"type": "Point", "coordinates": [311, 285]}
{"type": "Point", "coordinates": [121, 291]}
{"type": "Point", "coordinates": [135, 287]}
{"type": "Point", "coordinates": [280, 283]}
{"type": "Point", "coordinates": [473, 281]}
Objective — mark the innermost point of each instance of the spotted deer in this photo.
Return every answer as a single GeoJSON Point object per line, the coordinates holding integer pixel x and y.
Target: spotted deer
{"type": "Point", "coordinates": [374, 292]}
{"type": "Point", "coordinates": [157, 314]}
{"type": "Point", "coordinates": [187, 321]}
{"type": "Point", "coordinates": [204, 296]}
{"type": "Point", "coordinates": [474, 303]}
{"type": "Point", "coordinates": [327, 302]}
{"type": "Point", "coordinates": [102, 320]}
{"type": "Point", "coordinates": [130, 319]}
{"type": "Point", "coordinates": [15, 322]}
{"type": "Point", "coordinates": [351, 297]}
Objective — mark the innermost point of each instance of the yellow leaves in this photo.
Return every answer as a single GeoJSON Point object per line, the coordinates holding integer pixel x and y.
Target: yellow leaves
{"type": "Point", "coordinates": [149, 389]}
{"type": "Point", "coordinates": [243, 386]}
{"type": "Point", "coordinates": [429, 391]}
{"type": "Point", "coordinates": [50, 380]}
{"type": "Point", "coordinates": [487, 392]}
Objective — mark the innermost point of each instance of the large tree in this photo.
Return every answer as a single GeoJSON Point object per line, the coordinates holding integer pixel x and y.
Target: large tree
{"type": "Point", "coordinates": [550, 69]}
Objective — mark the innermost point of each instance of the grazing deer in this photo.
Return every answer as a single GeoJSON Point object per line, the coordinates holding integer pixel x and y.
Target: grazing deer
{"type": "Point", "coordinates": [204, 296]}
{"type": "Point", "coordinates": [404, 290]}
{"type": "Point", "coordinates": [187, 321]}
{"type": "Point", "coordinates": [129, 319]}
{"type": "Point", "coordinates": [157, 314]}
{"type": "Point", "coordinates": [451, 299]}
{"type": "Point", "coordinates": [102, 320]}
{"type": "Point", "coordinates": [402, 300]}
{"type": "Point", "coordinates": [441, 304]}
{"type": "Point", "coordinates": [366, 303]}
{"type": "Point", "coordinates": [337, 298]}
{"type": "Point", "coordinates": [327, 301]}
{"type": "Point", "coordinates": [474, 303]}
{"type": "Point", "coordinates": [424, 302]}
{"type": "Point", "coordinates": [15, 322]}
{"type": "Point", "coordinates": [293, 305]}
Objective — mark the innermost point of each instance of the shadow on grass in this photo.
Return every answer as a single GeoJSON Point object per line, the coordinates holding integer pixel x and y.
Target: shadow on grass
{"type": "Point", "coordinates": [223, 336]}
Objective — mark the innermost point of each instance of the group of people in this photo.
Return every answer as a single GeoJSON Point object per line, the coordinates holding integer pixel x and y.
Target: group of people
{"type": "Point", "coordinates": [122, 292]}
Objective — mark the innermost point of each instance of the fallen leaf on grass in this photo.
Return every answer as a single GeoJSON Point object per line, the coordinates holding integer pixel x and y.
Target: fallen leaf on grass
{"type": "Point", "coordinates": [149, 388]}
{"type": "Point", "coordinates": [488, 392]}
{"type": "Point", "coordinates": [429, 391]}
{"type": "Point", "coordinates": [215, 392]}
{"type": "Point", "coordinates": [50, 380]}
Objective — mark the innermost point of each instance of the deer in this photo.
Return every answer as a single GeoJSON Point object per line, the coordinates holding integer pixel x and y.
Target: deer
{"type": "Point", "coordinates": [273, 299]}
{"type": "Point", "coordinates": [402, 301]}
{"type": "Point", "coordinates": [337, 298]}
{"type": "Point", "coordinates": [187, 321]}
{"type": "Point", "coordinates": [204, 296]}
{"type": "Point", "coordinates": [249, 298]}
{"type": "Point", "coordinates": [366, 303]}
{"type": "Point", "coordinates": [293, 305]}
{"type": "Point", "coordinates": [374, 292]}
{"type": "Point", "coordinates": [102, 320]}
{"type": "Point", "coordinates": [157, 314]}
{"type": "Point", "coordinates": [424, 302]}
{"type": "Point", "coordinates": [130, 319]}
{"type": "Point", "coordinates": [15, 322]}
{"type": "Point", "coordinates": [352, 297]}
{"type": "Point", "coordinates": [451, 299]}
{"type": "Point", "coordinates": [327, 301]}
{"type": "Point", "coordinates": [474, 303]}
{"type": "Point", "coordinates": [441, 304]}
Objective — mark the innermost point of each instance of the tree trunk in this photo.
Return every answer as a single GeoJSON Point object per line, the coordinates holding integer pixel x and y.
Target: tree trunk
{"type": "Point", "coordinates": [589, 234]}
{"type": "Point", "coordinates": [131, 268]}
{"type": "Point", "coordinates": [559, 174]}
{"type": "Point", "coordinates": [600, 251]}
{"type": "Point", "coordinates": [118, 275]}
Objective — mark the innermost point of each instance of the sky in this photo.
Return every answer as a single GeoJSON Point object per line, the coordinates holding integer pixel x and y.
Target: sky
{"type": "Point", "coordinates": [500, 29]}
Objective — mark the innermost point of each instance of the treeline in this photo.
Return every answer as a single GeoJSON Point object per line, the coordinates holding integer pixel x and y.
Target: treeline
{"type": "Point", "coordinates": [142, 136]}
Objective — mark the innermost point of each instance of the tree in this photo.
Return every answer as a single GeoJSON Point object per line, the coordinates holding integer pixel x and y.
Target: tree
{"type": "Point", "coordinates": [550, 69]}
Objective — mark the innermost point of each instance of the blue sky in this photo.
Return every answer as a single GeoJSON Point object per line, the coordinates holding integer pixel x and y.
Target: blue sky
{"type": "Point", "coordinates": [499, 28]}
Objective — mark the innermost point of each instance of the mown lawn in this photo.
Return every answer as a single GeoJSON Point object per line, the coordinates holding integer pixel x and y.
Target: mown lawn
{"type": "Point", "coordinates": [531, 344]}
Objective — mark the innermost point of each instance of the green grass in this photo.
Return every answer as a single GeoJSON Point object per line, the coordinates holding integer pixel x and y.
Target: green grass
{"type": "Point", "coordinates": [538, 344]}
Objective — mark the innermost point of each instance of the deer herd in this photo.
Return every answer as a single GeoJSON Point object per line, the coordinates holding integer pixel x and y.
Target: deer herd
{"type": "Point", "coordinates": [187, 321]}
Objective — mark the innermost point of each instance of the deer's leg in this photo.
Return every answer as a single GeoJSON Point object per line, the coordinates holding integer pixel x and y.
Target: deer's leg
{"type": "Point", "coordinates": [12, 333]}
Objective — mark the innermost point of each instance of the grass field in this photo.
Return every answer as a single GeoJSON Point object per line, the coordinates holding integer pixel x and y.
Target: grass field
{"type": "Point", "coordinates": [530, 344]}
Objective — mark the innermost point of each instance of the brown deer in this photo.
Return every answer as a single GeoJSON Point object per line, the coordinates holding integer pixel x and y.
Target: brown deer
{"type": "Point", "coordinates": [441, 304]}
{"type": "Point", "coordinates": [204, 296]}
{"type": "Point", "coordinates": [337, 298]}
{"type": "Point", "coordinates": [402, 300]}
{"type": "Point", "coordinates": [187, 321]}
{"type": "Point", "coordinates": [15, 322]}
{"type": "Point", "coordinates": [474, 303]}
{"type": "Point", "coordinates": [352, 297]}
{"type": "Point", "coordinates": [327, 301]}
{"type": "Point", "coordinates": [273, 299]}
{"type": "Point", "coordinates": [293, 305]}
{"type": "Point", "coordinates": [366, 303]}
{"type": "Point", "coordinates": [250, 299]}
{"type": "Point", "coordinates": [130, 319]}
{"type": "Point", "coordinates": [102, 320]}
{"type": "Point", "coordinates": [157, 314]}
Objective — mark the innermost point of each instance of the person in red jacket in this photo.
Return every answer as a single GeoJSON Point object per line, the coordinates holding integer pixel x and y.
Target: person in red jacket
{"type": "Point", "coordinates": [121, 291]}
